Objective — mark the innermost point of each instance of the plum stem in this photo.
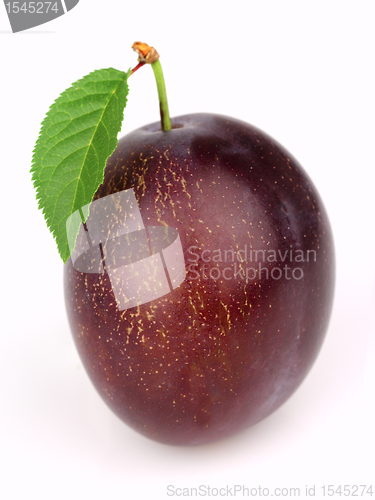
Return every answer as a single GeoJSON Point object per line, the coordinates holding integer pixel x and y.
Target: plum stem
{"type": "Point", "coordinates": [148, 55]}
{"type": "Point", "coordinates": [162, 93]}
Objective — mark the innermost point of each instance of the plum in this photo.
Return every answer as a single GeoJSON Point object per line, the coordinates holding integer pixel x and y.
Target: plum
{"type": "Point", "coordinates": [237, 336]}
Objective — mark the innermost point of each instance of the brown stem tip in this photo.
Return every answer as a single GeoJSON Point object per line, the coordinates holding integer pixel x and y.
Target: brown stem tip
{"type": "Point", "coordinates": [146, 54]}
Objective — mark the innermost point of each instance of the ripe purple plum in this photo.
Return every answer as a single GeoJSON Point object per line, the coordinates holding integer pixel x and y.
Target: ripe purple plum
{"type": "Point", "coordinates": [236, 338]}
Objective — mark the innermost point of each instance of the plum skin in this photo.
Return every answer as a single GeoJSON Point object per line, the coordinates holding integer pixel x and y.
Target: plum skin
{"type": "Point", "coordinates": [215, 355]}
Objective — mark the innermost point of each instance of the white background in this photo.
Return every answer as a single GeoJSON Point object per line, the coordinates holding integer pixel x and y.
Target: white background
{"type": "Point", "coordinates": [304, 73]}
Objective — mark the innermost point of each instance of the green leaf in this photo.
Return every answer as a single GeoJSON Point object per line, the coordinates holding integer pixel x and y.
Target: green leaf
{"type": "Point", "coordinates": [77, 136]}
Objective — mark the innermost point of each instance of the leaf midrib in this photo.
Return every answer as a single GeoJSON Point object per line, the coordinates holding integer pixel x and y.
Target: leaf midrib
{"type": "Point", "coordinates": [89, 145]}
